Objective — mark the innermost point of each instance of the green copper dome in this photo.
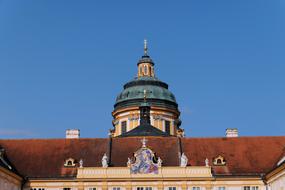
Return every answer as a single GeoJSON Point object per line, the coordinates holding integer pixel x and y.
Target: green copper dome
{"type": "Point", "coordinates": [146, 88]}
{"type": "Point", "coordinates": [150, 88]}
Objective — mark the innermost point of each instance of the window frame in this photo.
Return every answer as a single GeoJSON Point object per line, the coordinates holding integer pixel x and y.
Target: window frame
{"type": "Point", "coordinates": [167, 130]}
{"type": "Point", "coordinates": [125, 126]}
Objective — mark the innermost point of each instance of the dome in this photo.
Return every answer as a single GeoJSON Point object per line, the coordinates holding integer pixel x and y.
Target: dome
{"type": "Point", "coordinates": [155, 91]}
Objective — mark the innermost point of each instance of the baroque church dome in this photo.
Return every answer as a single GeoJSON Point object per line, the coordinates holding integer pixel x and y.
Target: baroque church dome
{"type": "Point", "coordinates": [157, 93]}
{"type": "Point", "coordinates": [144, 89]}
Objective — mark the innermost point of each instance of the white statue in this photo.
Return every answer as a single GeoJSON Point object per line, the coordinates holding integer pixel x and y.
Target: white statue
{"type": "Point", "coordinates": [183, 160]}
{"type": "Point", "coordinates": [129, 162]}
{"type": "Point", "coordinates": [144, 141]}
{"type": "Point", "coordinates": [159, 162]}
{"type": "Point", "coordinates": [105, 161]}
{"type": "Point", "coordinates": [207, 162]}
{"type": "Point", "coordinates": [81, 163]}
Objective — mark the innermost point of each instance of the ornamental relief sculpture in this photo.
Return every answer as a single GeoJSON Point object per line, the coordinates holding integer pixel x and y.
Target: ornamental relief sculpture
{"type": "Point", "coordinates": [144, 161]}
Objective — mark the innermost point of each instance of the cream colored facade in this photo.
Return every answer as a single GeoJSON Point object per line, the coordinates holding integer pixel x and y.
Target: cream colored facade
{"type": "Point", "coordinates": [187, 178]}
{"type": "Point", "coordinates": [9, 180]}
{"type": "Point", "coordinates": [276, 179]}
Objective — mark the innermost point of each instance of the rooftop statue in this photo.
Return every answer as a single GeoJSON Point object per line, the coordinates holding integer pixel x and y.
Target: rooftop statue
{"type": "Point", "coordinates": [183, 160]}
{"type": "Point", "coordinates": [105, 161]}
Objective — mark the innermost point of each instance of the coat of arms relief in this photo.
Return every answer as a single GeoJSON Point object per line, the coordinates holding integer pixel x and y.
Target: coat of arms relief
{"type": "Point", "coordinates": [144, 161]}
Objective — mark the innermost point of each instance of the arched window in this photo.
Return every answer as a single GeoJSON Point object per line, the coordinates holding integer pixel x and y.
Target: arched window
{"type": "Point", "coordinates": [145, 69]}
{"type": "Point", "coordinates": [219, 161]}
{"type": "Point", "coordinates": [70, 162]}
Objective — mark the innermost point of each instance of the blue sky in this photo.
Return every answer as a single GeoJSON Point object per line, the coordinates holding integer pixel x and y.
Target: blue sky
{"type": "Point", "coordinates": [62, 63]}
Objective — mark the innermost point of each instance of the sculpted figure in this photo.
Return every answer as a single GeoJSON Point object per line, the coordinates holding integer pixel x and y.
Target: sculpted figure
{"type": "Point", "coordinates": [207, 162]}
{"type": "Point", "coordinates": [129, 162]}
{"type": "Point", "coordinates": [159, 162]}
{"type": "Point", "coordinates": [105, 161]}
{"type": "Point", "coordinates": [183, 160]}
{"type": "Point", "coordinates": [81, 163]}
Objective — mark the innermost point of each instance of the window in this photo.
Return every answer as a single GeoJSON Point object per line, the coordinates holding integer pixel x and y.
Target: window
{"type": "Point", "coordinates": [70, 162]}
{"type": "Point", "coordinates": [145, 70]}
{"type": "Point", "coordinates": [123, 127]}
{"type": "Point", "coordinates": [167, 126]}
{"type": "Point", "coordinates": [221, 188]}
{"type": "Point", "coordinates": [171, 188]}
{"type": "Point", "coordinates": [220, 161]}
{"type": "Point", "coordinates": [250, 188]}
{"type": "Point", "coordinates": [196, 188]}
{"type": "Point", "coordinates": [144, 188]}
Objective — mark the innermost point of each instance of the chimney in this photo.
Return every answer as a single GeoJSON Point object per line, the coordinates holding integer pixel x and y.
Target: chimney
{"type": "Point", "coordinates": [72, 134]}
{"type": "Point", "coordinates": [232, 132]}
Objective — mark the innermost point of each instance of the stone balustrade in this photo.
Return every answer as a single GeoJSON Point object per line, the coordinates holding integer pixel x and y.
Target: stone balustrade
{"type": "Point", "coordinates": [124, 172]}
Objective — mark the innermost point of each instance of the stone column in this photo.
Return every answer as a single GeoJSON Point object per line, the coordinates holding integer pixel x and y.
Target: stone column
{"type": "Point", "coordinates": [104, 186]}
{"type": "Point", "coordinates": [128, 186]}
{"type": "Point", "coordinates": [184, 185]}
{"type": "Point", "coordinates": [160, 186]}
{"type": "Point", "coordinates": [209, 187]}
{"type": "Point", "coordinates": [80, 186]}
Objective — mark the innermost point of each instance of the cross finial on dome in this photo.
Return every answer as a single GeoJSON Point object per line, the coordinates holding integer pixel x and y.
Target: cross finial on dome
{"type": "Point", "coordinates": [145, 47]}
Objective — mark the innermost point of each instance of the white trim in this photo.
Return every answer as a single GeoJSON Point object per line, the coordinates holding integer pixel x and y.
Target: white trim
{"type": "Point", "coordinates": [281, 161]}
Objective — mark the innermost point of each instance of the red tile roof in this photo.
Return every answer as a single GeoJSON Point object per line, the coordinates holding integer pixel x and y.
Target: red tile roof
{"type": "Point", "coordinates": [244, 155]}
{"type": "Point", "coordinates": [44, 158]}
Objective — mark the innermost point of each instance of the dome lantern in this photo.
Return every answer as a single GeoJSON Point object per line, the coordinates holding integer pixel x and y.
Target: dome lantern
{"type": "Point", "coordinates": [145, 64]}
